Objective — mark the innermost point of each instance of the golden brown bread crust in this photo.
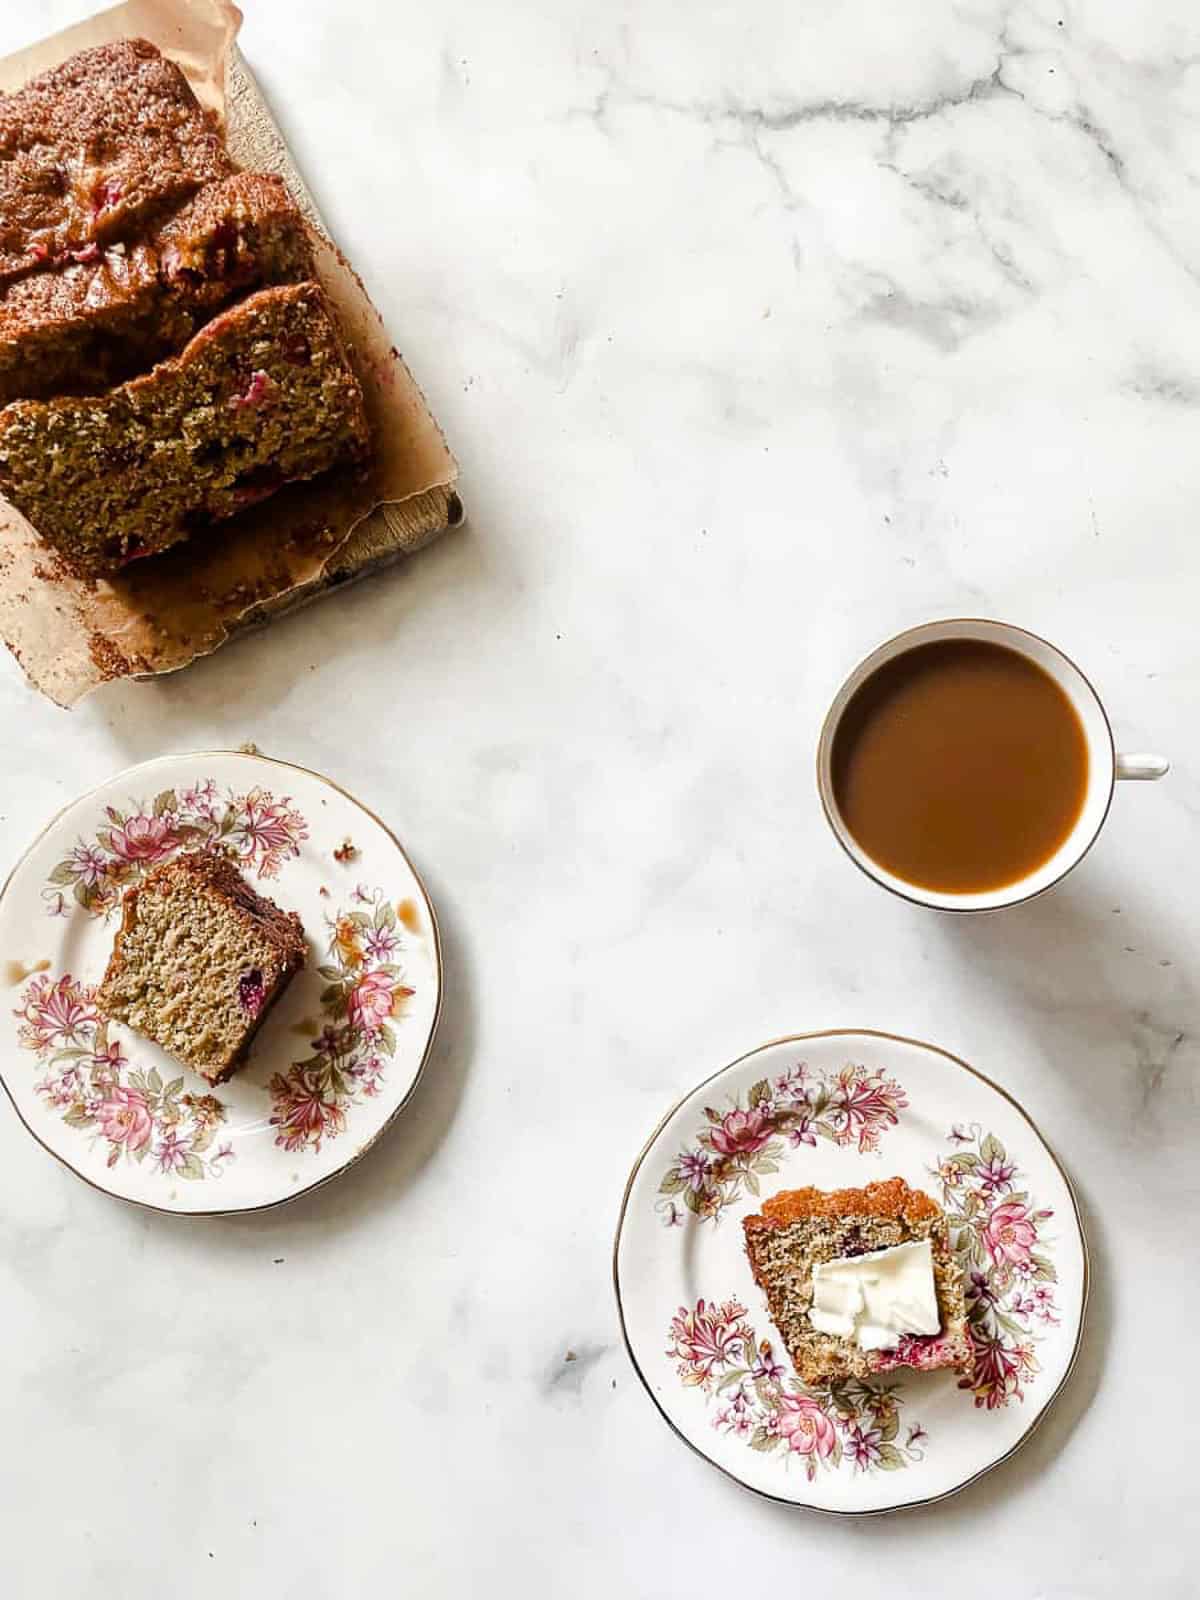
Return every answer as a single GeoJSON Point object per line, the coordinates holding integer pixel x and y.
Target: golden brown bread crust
{"type": "Point", "coordinates": [891, 1198]}
{"type": "Point", "coordinates": [94, 148]}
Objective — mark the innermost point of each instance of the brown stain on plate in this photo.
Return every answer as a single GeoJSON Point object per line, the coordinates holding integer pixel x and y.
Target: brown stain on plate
{"type": "Point", "coordinates": [16, 971]}
{"type": "Point", "coordinates": [409, 915]}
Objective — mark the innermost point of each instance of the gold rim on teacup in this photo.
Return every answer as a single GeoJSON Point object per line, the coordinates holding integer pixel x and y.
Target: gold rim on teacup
{"type": "Point", "coordinates": [1105, 766]}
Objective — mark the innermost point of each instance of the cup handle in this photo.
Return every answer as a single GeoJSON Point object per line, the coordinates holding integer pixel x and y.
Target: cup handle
{"type": "Point", "coordinates": [1144, 767]}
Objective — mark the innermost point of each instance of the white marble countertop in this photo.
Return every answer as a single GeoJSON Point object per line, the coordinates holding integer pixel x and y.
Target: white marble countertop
{"type": "Point", "coordinates": [761, 332]}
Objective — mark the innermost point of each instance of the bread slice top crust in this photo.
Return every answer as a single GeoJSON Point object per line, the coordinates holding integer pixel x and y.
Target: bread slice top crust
{"type": "Point", "coordinates": [891, 1198]}
{"type": "Point", "coordinates": [800, 1228]}
{"type": "Point", "coordinates": [95, 147]}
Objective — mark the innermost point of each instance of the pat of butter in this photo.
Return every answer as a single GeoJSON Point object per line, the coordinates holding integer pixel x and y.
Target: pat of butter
{"type": "Point", "coordinates": [877, 1298]}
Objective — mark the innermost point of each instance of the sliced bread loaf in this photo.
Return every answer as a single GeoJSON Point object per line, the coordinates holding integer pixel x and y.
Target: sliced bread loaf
{"type": "Point", "coordinates": [261, 396]}
{"type": "Point", "coordinates": [86, 325]}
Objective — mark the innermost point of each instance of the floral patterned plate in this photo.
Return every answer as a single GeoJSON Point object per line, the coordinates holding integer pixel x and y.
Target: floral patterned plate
{"type": "Point", "coordinates": [335, 1060]}
{"type": "Point", "coordinates": [835, 1110]}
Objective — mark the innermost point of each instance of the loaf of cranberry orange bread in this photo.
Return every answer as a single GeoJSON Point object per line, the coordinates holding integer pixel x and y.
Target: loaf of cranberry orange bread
{"type": "Point", "coordinates": [860, 1281]}
{"type": "Point", "coordinates": [84, 326]}
{"type": "Point", "coordinates": [198, 961]}
{"type": "Point", "coordinates": [94, 148]}
{"type": "Point", "coordinates": [261, 396]}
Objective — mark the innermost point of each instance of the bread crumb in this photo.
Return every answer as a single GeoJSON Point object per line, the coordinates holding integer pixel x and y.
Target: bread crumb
{"type": "Point", "coordinates": [249, 748]}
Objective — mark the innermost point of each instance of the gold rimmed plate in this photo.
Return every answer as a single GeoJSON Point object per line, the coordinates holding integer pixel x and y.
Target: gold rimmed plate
{"type": "Point", "coordinates": [835, 1110]}
{"type": "Point", "coordinates": [335, 1060]}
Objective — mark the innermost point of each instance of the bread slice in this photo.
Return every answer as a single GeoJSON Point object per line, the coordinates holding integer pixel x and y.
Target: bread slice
{"type": "Point", "coordinates": [96, 321]}
{"type": "Point", "coordinates": [263, 395]}
{"type": "Point", "coordinates": [799, 1228]}
{"type": "Point", "coordinates": [94, 148]}
{"type": "Point", "coordinates": [198, 961]}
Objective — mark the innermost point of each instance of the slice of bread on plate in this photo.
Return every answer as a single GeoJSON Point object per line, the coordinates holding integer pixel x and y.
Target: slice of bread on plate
{"type": "Point", "coordinates": [839, 1269]}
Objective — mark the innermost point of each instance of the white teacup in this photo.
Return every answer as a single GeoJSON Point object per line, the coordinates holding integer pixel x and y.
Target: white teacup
{"type": "Point", "coordinates": [1105, 766]}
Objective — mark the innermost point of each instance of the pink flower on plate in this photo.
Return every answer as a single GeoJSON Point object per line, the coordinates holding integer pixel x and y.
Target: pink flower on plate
{"type": "Point", "coordinates": [1043, 1297]}
{"type": "Point", "coordinates": [692, 1167]}
{"type": "Point", "coordinates": [88, 864]}
{"type": "Point", "coordinates": [735, 1420]}
{"type": "Point", "coordinates": [125, 1118]}
{"type": "Point", "coordinates": [862, 1446]}
{"type": "Point", "coordinates": [304, 1110]}
{"type": "Point", "coordinates": [267, 830]}
{"type": "Point", "coordinates": [802, 1133]}
{"type": "Point", "coordinates": [806, 1428]}
{"type": "Point", "coordinates": [54, 1015]}
{"type": "Point", "coordinates": [63, 1090]}
{"type": "Point", "coordinates": [202, 794]}
{"type": "Point", "coordinates": [863, 1105]}
{"type": "Point", "coordinates": [707, 1340]}
{"type": "Point", "coordinates": [171, 1152]}
{"type": "Point", "coordinates": [792, 1085]}
{"type": "Point", "coordinates": [112, 1058]}
{"type": "Point", "coordinates": [995, 1377]}
{"type": "Point", "coordinates": [373, 1000]}
{"type": "Point", "coordinates": [143, 839]}
{"type": "Point", "coordinates": [367, 1071]}
{"type": "Point", "coordinates": [995, 1176]}
{"type": "Point", "coordinates": [766, 1366]}
{"type": "Point", "coordinates": [740, 1133]}
{"type": "Point", "coordinates": [381, 943]}
{"type": "Point", "coordinates": [1009, 1233]}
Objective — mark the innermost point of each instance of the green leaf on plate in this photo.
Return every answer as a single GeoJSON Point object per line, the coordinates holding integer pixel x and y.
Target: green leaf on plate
{"type": "Point", "coordinates": [991, 1149]}
{"type": "Point", "coordinates": [1043, 1270]}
